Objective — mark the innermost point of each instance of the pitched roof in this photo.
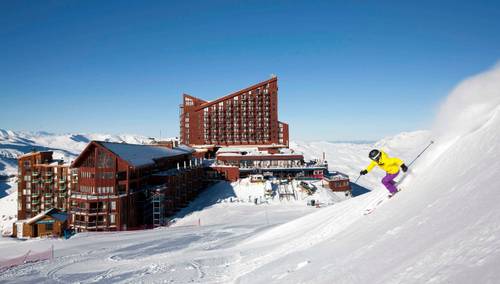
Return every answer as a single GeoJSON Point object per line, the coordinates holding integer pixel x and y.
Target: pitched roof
{"type": "Point", "coordinates": [139, 155]}
{"type": "Point", "coordinates": [52, 212]}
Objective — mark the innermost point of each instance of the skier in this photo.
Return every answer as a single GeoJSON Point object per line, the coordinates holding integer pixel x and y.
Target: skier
{"type": "Point", "coordinates": [389, 165]}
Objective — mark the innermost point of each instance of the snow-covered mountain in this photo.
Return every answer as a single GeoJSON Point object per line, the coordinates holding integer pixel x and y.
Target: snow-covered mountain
{"type": "Point", "coordinates": [67, 146]}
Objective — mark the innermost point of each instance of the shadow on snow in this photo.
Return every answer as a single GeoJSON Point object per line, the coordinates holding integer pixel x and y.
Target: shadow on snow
{"type": "Point", "coordinates": [358, 190]}
{"type": "Point", "coordinates": [210, 196]}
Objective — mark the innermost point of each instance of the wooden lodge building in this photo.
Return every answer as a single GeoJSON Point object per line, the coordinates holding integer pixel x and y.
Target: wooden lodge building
{"type": "Point", "coordinates": [49, 223]}
{"type": "Point", "coordinates": [246, 117]}
{"type": "Point", "coordinates": [118, 182]}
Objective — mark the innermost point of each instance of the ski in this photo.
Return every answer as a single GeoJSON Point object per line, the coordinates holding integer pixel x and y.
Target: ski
{"type": "Point", "coordinates": [371, 209]}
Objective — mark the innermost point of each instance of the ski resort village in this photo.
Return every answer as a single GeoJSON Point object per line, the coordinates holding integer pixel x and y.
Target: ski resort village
{"type": "Point", "coordinates": [249, 142]}
{"type": "Point", "coordinates": [114, 186]}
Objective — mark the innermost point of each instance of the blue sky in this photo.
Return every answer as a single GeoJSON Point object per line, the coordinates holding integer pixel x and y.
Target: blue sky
{"type": "Point", "coordinates": [347, 70]}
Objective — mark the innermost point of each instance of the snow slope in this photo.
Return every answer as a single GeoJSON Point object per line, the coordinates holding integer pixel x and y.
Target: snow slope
{"type": "Point", "coordinates": [185, 252]}
{"type": "Point", "coordinates": [8, 209]}
{"type": "Point", "coordinates": [351, 158]}
{"type": "Point", "coordinates": [443, 228]}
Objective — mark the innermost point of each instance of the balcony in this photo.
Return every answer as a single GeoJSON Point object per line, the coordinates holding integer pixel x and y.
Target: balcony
{"type": "Point", "coordinates": [35, 195]}
{"type": "Point", "coordinates": [99, 210]}
{"type": "Point", "coordinates": [35, 174]}
{"type": "Point", "coordinates": [48, 174]}
{"type": "Point", "coordinates": [33, 201]}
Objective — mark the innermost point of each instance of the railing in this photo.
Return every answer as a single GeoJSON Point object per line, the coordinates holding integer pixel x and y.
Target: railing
{"type": "Point", "coordinates": [89, 210]}
{"type": "Point", "coordinates": [92, 224]}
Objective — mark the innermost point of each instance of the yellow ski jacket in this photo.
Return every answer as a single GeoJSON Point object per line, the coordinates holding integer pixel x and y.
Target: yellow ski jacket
{"type": "Point", "coordinates": [388, 164]}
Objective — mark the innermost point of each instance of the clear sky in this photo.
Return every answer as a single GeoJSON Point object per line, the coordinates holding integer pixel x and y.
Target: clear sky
{"type": "Point", "coordinates": [347, 69]}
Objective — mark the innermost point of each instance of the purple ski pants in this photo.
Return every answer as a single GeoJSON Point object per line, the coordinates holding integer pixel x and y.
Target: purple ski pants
{"type": "Point", "coordinates": [388, 182]}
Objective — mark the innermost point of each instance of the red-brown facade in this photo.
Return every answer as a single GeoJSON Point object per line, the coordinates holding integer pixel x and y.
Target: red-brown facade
{"type": "Point", "coordinates": [337, 182]}
{"type": "Point", "coordinates": [233, 163]}
{"type": "Point", "coordinates": [43, 183]}
{"type": "Point", "coordinates": [117, 181]}
{"type": "Point", "coordinates": [247, 117]}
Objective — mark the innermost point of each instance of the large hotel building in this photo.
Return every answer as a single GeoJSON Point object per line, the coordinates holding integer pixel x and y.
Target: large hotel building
{"type": "Point", "coordinates": [247, 117]}
{"type": "Point", "coordinates": [118, 186]}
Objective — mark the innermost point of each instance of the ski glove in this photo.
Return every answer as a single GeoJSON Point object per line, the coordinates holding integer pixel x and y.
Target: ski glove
{"type": "Point", "coordinates": [363, 172]}
{"type": "Point", "coordinates": [404, 168]}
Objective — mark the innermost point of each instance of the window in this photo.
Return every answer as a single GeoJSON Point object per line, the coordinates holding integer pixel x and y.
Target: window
{"type": "Point", "coordinates": [48, 227]}
{"type": "Point", "coordinates": [113, 205]}
{"type": "Point", "coordinates": [104, 160]}
{"type": "Point", "coordinates": [112, 218]}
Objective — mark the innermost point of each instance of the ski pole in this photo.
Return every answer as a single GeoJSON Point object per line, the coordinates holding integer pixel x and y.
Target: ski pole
{"type": "Point", "coordinates": [425, 149]}
{"type": "Point", "coordinates": [357, 179]}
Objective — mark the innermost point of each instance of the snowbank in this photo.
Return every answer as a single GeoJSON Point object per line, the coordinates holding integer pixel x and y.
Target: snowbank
{"type": "Point", "coordinates": [444, 227]}
{"type": "Point", "coordinates": [8, 210]}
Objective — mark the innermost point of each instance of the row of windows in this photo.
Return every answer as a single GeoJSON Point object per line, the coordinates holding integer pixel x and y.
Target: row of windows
{"type": "Point", "coordinates": [105, 175]}
{"type": "Point", "coordinates": [86, 188]}
{"type": "Point", "coordinates": [100, 189]}
{"type": "Point", "coordinates": [91, 220]}
{"type": "Point", "coordinates": [87, 175]}
{"type": "Point", "coordinates": [104, 189]}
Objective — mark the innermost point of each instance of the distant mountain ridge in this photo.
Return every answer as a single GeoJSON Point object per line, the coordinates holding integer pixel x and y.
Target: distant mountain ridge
{"type": "Point", "coordinates": [65, 146]}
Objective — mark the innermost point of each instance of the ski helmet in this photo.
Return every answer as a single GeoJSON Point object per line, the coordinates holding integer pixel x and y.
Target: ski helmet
{"type": "Point", "coordinates": [375, 155]}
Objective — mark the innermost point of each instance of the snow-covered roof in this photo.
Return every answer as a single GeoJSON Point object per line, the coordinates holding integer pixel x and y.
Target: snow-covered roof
{"type": "Point", "coordinates": [140, 155]}
{"type": "Point", "coordinates": [333, 176]}
{"type": "Point", "coordinates": [237, 149]}
{"type": "Point", "coordinates": [186, 148]}
{"type": "Point", "coordinates": [53, 212]}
